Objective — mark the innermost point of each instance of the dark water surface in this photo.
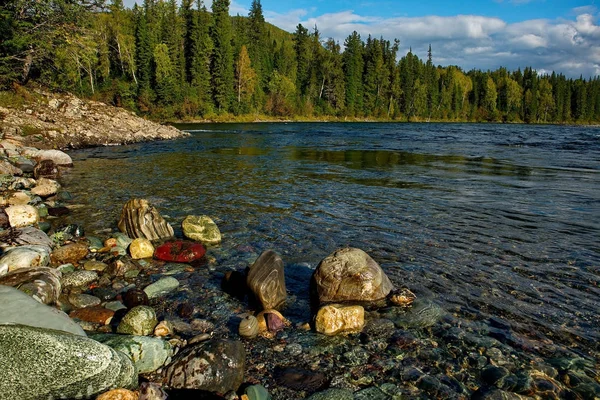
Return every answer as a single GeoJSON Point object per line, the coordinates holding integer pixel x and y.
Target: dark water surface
{"type": "Point", "coordinates": [492, 222]}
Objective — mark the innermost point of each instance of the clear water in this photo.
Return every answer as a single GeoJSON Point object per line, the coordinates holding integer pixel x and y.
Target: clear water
{"type": "Point", "coordinates": [493, 222]}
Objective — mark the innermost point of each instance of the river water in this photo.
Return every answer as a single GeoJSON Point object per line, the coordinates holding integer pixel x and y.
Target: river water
{"type": "Point", "coordinates": [498, 224]}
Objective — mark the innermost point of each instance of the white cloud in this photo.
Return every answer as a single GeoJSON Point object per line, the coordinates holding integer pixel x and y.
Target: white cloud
{"type": "Point", "coordinates": [569, 46]}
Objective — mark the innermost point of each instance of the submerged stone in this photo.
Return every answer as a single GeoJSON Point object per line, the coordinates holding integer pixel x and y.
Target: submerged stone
{"type": "Point", "coordinates": [147, 353]}
{"type": "Point", "coordinates": [180, 251]}
{"type": "Point", "coordinates": [202, 229]}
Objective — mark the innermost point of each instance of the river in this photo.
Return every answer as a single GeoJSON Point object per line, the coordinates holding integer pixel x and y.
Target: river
{"type": "Point", "coordinates": [498, 224]}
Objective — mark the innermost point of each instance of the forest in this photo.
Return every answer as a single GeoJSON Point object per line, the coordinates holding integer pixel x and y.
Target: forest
{"type": "Point", "coordinates": [177, 60]}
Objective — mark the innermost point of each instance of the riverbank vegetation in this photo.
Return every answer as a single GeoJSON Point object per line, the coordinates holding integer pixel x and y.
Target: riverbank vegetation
{"type": "Point", "coordinates": [172, 60]}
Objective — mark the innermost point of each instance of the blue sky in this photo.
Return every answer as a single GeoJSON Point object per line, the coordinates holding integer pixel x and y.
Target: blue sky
{"type": "Point", "coordinates": [549, 35]}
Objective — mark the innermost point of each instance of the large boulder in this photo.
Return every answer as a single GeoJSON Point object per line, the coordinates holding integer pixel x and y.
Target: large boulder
{"type": "Point", "coordinates": [214, 366]}
{"type": "Point", "coordinates": [43, 364]}
{"type": "Point", "coordinates": [140, 219]}
{"type": "Point", "coordinates": [147, 353]}
{"type": "Point", "coordinates": [201, 228]}
{"type": "Point", "coordinates": [266, 280]}
{"type": "Point", "coordinates": [59, 158]}
{"type": "Point", "coordinates": [350, 274]}
{"type": "Point", "coordinates": [19, 308]}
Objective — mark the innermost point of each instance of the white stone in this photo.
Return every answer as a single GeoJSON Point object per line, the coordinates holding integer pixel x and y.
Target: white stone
{"type": "Point", "coordinates": [25, 257]}
{"type": "Point", "coordinates": [46, 187]}
{"type": "Point", "coordinates": [60, 158]}
{"type": "Point", "coordinates": [22, 215]}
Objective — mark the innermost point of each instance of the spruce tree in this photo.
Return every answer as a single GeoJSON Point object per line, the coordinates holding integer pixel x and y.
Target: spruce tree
{"type": "Point", "coordinates": [353, 71]}
{"type": "Point", "coordinates": [222, 61]}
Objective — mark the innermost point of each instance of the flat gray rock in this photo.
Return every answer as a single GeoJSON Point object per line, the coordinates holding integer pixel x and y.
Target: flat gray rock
{"type": "Point", "coordinates": [19, 308]}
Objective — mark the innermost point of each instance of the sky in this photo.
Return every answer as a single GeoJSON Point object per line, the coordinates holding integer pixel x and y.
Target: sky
{"type": "Point", "coordinates": [548, 35]}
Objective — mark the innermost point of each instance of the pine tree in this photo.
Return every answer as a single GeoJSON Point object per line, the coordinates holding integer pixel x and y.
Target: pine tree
{"type": "Point", "coordinates": [222, 61]}
{"type": "Point", "coordinates": [353, 72]}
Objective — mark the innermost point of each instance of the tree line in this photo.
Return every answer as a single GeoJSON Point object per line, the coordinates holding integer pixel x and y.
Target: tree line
{"type": "Point", "coordinates": [182, 61]}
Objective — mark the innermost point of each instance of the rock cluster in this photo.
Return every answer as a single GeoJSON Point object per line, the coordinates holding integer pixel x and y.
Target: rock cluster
{"type": "Point", "coordinates": [64, 121]}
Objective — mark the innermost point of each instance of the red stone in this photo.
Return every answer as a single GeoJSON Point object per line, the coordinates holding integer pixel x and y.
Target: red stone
{"type": "Point", "coordinates": [180, 251]}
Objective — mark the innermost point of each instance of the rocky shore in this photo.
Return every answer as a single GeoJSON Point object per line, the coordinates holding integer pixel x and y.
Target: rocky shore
{"type": "Point", "coordinates": [142, 314]}
{"type": "Point", "coordinates": [63, 121]}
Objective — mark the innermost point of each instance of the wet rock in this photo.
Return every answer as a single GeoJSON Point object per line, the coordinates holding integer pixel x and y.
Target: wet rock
{"type": "Point", "coordinates": [257, 392]}
{"type": "Point", "coordinates": [179, 251]}
{"type": "Point", "coordinates": [59, 158]}
{"type": "Point", "coordinates": [58, 364]}
{"type": "Point", "coordinates": [93, 265]}
{"type": "Point", "coordinates": [23, 257]}
{"type": "Point", "coordinates": [234, 283]}
{"type": "Point", "coordinates": [248, 327]}
{"type": "Point", "coordinates": [59, 211]}
{"type": "Point", "coordinates": [152, 391]}
{"type": "Point", "coordinates": [147, 353]}
{"type": "Point", "coordinates": [24, 164]}
{"type": "Point", "coordinates": [202, 229]}
{"type": "Point", "coordinates": [332, 394]}
{"type": "Point", "coordinates": [185, 310]}
{"type": "Point", "coordinates": [300, 379]}
{"type": "Point", "coordinates": [95, 243]}
{"type": "Point", "coordinates": [97, 315]}
{"type": "Point", "coordinates": [28, 236]}
{"type": "Point", "coordinates": [161, 287]}
{"type": "Point", "coordinates": [140, 219]}
{"type": "Point", "coordinates": [120, 267]}
{"type": "Point", "coordinates": [380, 328]}
{"type": "Point", "coordinates": [41, 283]}
{"type": "Point", "coordinates": [371, 393]}
{"type": "Point", "coordinates": [270, 322]}
{"type": "Point", "coordinates": [45, 187]}
{"type": "Point", "coordinates": [46, 169]}
{"type": "Point", "coordinates": [135, 297]}
{"type": "Point", "coordinates": [22, 215]}
{"type": "Point", "coordinates": [350, 274]}
{"type": "Point", "coordinates": [4, 222]}
{"type": "Point", "coordinates": [72, 230]}
{"type": "Point", "coordinates": [19, 308]}
{"type": "Point", "coordinates": [493, 375]}
{"type": "Point", "coordinates": [83, 300]}
{"type": "Point", "coordinates": [20, 198]}
{"type": "Point", "coordinates": [69, 254]}
{"type": "Point", "coordinates": [215, 366]}
{"type": "Point", "coordinates": [422, 314]}
{"type": "Point", "coordinates": [123, 240]}
{"type": "Point", "coordinates": [141, 248]}
{"type": "Point", "coordinates": [139, 321]}
{"type": "Point", "coordinates": [493, 393]}
{"type": "Point", "coordinates": [118, 394]}
{"type": "Point", "coordinates": [115, 306]}
{"type": "Point", "coordinates": [164, 328]}
{"type": "Point", "coordinates": [336, 318]}
{"type": "Point", "coordinates": [266, 280]}
{"type": "Point", "coordinates": [7, 168]}
{"type": "Point", "coordinates": [79, 278]}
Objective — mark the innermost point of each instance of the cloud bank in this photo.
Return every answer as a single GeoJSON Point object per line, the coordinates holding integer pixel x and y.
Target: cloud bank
{"type": "Point", "coordinates": [569, 46]}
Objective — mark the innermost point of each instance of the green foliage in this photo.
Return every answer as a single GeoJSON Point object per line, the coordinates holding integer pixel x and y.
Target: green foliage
{"type": "Point", "coordinates": [173, 59]}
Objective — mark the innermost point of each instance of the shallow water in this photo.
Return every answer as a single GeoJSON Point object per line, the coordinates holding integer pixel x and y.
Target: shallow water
{"type": "Point", "coordinates": [495, 223]}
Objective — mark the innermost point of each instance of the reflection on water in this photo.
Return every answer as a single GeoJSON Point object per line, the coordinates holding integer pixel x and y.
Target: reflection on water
{"type": "Point", "coordinates": [491, 221]}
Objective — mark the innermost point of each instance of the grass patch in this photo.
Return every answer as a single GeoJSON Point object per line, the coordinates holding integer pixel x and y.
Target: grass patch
{"type": "Point", "coordinates": [29, 130]}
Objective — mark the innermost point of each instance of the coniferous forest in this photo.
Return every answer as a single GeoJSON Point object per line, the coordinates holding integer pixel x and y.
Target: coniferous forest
{"type": "Point", "coordinates": [174, 60]}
